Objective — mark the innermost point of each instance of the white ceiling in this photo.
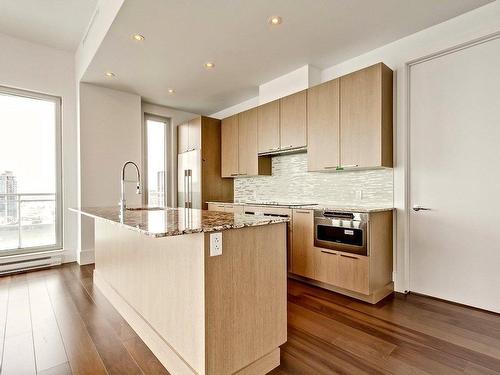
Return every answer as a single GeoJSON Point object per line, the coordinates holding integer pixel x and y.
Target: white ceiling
{"type": "Point", "coordinates": [55, 23]}
{"type": "Point", "coordinates": [182, 35]}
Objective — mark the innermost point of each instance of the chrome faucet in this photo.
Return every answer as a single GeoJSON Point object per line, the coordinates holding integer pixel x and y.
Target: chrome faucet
{"type": "Point", "coordinates": [123, 204]}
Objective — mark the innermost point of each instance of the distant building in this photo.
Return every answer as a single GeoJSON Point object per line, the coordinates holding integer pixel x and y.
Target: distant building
{"type": "Point", "coordinates": [8, 203]}
{"type": "Point", "coordinates": [160, 188]}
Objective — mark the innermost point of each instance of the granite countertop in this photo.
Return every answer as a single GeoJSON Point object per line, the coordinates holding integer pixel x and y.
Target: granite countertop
{"type": "Point", "coordinates": [317, 206]}
{"type": "Point", "coordinates": [163, 222]}
{"type": "Point", "coordinates": [363, 209]}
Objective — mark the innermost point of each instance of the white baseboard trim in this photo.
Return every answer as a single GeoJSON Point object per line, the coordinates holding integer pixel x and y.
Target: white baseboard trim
{"type": "Point", "coordinates": [86, 257]}
{"type": "Point", "coordinates": [164, 352]}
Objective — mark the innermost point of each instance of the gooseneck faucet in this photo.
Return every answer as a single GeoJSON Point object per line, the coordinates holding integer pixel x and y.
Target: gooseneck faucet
{"type": "Point", "coordinates": [123, 204]}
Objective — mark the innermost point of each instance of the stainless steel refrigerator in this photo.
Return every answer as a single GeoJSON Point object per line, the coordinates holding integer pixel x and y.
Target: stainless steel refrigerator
{"type": "Point", "coordinates": [189, 179]}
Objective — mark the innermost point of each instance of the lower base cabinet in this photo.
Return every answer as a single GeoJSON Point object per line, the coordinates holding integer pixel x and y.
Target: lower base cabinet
{"type": "Point", "coordinates": [365, 277]}
{"type": "Point", "coordinates": [326, 266]}
{"type": "Point", "coordinates": [345, 271]}
{"type": "Point", "coordinates": [352, 273]}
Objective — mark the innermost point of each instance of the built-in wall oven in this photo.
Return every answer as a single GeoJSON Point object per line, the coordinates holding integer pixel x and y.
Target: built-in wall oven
{"type": "Point", "coordinates": [342, 231]}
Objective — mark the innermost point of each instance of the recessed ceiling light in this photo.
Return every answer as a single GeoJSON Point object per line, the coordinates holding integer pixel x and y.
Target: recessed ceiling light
{"type": "Point", "coordinates": [110, 74]}
{"type": "Point", "coordinates": [209, 65]}
{"type": "Point", "coordinates": [275, 20]}
{"type": "Point", "coordinates": [138, 37]}
{"type": "Point", "coordinates": [171, 91]}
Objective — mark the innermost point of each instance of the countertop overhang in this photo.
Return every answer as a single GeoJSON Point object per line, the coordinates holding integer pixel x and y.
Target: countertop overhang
{"type": "Point", "coordinates": [164, 222]}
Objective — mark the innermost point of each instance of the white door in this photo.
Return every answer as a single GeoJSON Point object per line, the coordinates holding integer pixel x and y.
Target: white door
{"type": "Point", "coordinates": [455, 172]}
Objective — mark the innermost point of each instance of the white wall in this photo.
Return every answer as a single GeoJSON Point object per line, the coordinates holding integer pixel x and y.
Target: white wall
{"type": "Point", "coordinates": [176, 117]}
{"type": "Point", "coordinates": [34, 67]}
{"type": "Point", "coordinates": [104, 15]}
{"type": "Point", "coordinates": [298, 80]}
{"type": "Point", "coordinates": [110, 135]}
{"type": "Point", "coordinates": [469, 26]}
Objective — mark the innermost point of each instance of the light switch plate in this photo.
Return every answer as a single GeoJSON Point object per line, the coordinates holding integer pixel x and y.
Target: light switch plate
{"type": "Point", "coordinates": [215, 244]}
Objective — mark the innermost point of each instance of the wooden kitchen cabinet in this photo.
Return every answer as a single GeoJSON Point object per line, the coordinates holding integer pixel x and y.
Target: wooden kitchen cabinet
{"type": "Point", "coordinates": [293, 121]}
{"type": "Point", "coordinates": [323, 120]}
{"type": "Point", "coordinates": [366, 117]}
{"type": "Point", "coordinates": [352, 273]}
{"type": "Point", "coordinates": [303, 243]}
{"type": "Point", "coordinates": [239, 146]}
{"type": "Point", "coordinates": [229, 146]}
{"type": "Point", "coordinates": [368, 278]}
{"type": "Point", "coordinates": [194, 133]}
{"type": "Point", "coordinates": [269, 127]}
{"type": "Point", "coordinates": [248, 164]}
{"type": "Point", "coordinates": [189, 135]}
{"type": "Point", "coordinates": [183, 138]}
{"type": "Point", "coordinates": [325, 266]}
{"type": "Point", "coordinates": [226, 207]}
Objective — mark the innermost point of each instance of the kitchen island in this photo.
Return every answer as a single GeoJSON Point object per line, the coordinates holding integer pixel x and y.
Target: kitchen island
{"type": "Point", "coordinates": [200, 312]}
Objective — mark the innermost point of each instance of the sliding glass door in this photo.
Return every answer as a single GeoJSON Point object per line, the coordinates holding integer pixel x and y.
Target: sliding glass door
{"type": "Point", "coordinates": [30, 172]}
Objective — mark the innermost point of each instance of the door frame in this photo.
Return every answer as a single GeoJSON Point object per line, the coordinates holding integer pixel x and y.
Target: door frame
{"type": "Point", "coordinates": [59, 199]}
{"type": "Point", "coordinates": [407, 139]}
{"type": "Point", "coordinates": [168, 155]}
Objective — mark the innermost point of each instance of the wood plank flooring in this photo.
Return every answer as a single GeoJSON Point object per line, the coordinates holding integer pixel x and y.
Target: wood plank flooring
{"type": "Point", "coordinates": [53, 322]}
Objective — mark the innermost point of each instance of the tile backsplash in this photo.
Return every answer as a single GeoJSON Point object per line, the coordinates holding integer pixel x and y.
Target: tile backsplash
{"type": "Point", "coordinates": [290, 182]}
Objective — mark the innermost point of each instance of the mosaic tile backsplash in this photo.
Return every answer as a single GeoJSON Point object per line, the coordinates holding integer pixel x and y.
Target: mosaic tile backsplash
{"type": "Point", "coordinates": [290, 182]}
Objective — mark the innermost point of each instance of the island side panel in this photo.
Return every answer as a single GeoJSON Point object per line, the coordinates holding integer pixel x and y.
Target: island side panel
{"type": "Point", "coordinates": [245, 298]}
{"type": "Point", "coordinates": [162, 279]}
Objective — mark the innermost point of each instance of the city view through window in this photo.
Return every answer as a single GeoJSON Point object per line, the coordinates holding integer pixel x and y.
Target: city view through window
{"type": "Point", "coordinates": [28, 172]}
{"type": "Point", "coordinates": [156, 151]}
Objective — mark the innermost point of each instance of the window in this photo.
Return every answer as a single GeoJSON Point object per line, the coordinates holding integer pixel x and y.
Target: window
{"type": "Point", "coordinates": [30, 172]}
{"type": "Point", "coordinates": [156, 160]}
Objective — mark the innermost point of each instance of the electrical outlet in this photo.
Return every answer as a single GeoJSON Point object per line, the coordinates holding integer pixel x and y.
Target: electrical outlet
{"type": "Point", "coordinates": [215, 244]}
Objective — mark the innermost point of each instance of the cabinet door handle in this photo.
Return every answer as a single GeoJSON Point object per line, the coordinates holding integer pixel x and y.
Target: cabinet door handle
{"type": "Point", "coordinates": [234, 174]}
{"type": "Point", "coordinates": [348, 256]}
{"type": "Point", "coordinates": [301, 212]}
{"type": "Point", "coordinates": [242, 174]}
{"type": "Point", "coordinates": [327, 252]}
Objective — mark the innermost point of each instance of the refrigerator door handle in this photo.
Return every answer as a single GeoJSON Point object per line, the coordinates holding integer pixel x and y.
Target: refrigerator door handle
{"type": "Point", "coordinates": [190, 179]}
{"type": "Point", "coordinates": [185, 189]}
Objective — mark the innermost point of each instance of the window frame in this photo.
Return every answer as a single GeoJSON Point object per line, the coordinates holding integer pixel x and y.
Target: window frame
{"type": "Point", "coordinates": [59, 199]}
{"type": "Point", "coordinates": [167, 141]}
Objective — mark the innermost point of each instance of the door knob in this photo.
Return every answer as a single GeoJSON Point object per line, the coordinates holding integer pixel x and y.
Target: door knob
{"type": "Point", "coordinates": [420, 208]}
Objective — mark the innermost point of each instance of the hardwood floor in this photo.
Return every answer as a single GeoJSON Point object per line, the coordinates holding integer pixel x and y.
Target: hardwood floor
{"type": "Point", "coordinates": [53, 322]}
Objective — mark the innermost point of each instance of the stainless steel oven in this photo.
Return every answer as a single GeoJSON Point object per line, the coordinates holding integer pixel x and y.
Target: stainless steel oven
{"type": "Point", "coordinates": [342, 231]}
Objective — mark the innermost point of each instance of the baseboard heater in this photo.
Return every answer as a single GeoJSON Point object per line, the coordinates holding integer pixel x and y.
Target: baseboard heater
{"type": "Point", "coordinates": [28, 262]}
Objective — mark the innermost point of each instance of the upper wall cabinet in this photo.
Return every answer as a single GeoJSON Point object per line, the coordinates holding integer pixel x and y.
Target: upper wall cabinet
{"type": "Point", "coordinates": [229, 146]}
{"type": "Point", "coordinates": [350, 121]}
{"type": "Point", "coordinates": [189, 135]}
{"type": "Point", "coordinates": [293, 121]}
{"type": "Point", "coordinates": [323, 117]}
{"type": "Point", "coordinates": [239, 146]}
{"type": "Point", "coordinates": [366, 118]}
{"type": "Point", "coordinates": [269, 127]}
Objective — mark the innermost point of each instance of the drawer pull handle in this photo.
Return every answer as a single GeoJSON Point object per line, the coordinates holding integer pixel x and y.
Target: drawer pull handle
{"type": "Point", "coordinates": [301, 212]}
{"type": "Point", "coordinates": [327, 252]}
{"type": "Point", "coordinates": [347, 256]}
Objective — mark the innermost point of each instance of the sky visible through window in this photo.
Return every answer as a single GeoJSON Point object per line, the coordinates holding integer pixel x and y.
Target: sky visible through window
{"type": "Point", "coordinates": [27, 142]}
{"type": "Point", "coordinates": [156, 162]}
